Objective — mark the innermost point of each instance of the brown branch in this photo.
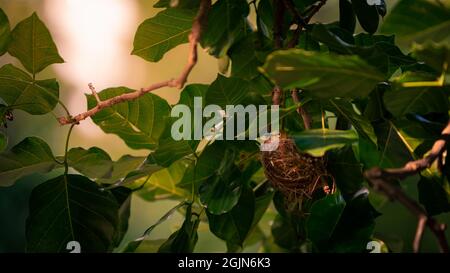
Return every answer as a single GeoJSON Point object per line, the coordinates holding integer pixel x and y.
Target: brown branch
{"type": "Point", "coordinates": [198, 27]}
{"type": "Point", "coordinates": [381, 180]}
{"type": "Point", "coordinates": [307, 120]}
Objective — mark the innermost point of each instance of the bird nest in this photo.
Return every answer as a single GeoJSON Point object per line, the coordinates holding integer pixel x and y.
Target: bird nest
{"type": "Point", "coordinates": [295, 174]}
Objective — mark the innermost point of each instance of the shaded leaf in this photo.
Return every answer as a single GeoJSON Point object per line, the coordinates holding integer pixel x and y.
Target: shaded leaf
{"type": "Point", "coordinates": [32, 155]}
{"type": "Point", "coordinates": [222, 33]}
{"type": "Point", "coordinates": [234, 226]}
{"type": "Point", "coordinates": [434, 194]}
{"type": "Point", "coordinates": [123, 198]}
{"type": "Point", "coordinates": [347, 18]}
{"type": "Point", "coordinates": [367, 15]}
{"type": "Point", "coordinates": [3, 142]}
{"type": "Point", "coordinates": [20, 91]}
{"type": "Point", "coordinates": [139, 123]}
{"type": "Point", "coordinates": [32, 43]}
{"type": "Point", "coordinates": [76, 211]}
{"type": "Point", "coordinates": [418, 21]}
{"type": "Point", "coordinates": [325, 75]}
{"type": "Point", "coordinates": [122, 167]}
{"type": "Point", "coordinates": [184, 239]}
{"type": "Point", "coordinates": [94, 163]}
{"type": "Point", "coordinates": [157, 35]}
{"type": "Point", "coordinates": [226, 91]}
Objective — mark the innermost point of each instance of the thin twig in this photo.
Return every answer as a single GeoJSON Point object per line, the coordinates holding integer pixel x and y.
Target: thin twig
{"type": "Point", "coordinates": [198, 27]}
{"type": "Point", "coordinates": [381, 180]}
{"type": "Point", "coordinates": [307, 120]}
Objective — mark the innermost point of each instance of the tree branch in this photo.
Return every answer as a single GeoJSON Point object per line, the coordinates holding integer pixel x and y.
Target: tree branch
{"type": "Point", "coordinates": [307, 120]}
{"type": "Point", "coordinates": [381, 180]}
{"type": "Point", "coordinates": [198, 27]}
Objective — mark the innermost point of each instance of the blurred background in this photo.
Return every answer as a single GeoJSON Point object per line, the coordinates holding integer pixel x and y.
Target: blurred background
{"type": "Point", "coordinates": [95, 38]}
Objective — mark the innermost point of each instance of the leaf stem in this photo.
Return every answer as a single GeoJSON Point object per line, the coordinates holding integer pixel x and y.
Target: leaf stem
{"type": "Point", "coordinates": [66, 164]}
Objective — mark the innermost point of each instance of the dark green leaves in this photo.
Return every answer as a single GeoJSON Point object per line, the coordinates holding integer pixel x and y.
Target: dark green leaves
{"type": "Point", "coordinates": [94, 163]}
{"type": "Point", "coordinates": [325, 75]}
{"type": "Point", "coordinates": [234, 226]}
{"type": "Point", "coordinates": [158, 35]}
{"type": "Point", "coordinates": [325, 215]}
{"type": "Point", "coordinates": [367, 15]}
{"type": "Point", "coordinates": [418, 21]}
{"type": "Point", "coordinates": [71, 208]}
{"type": "Point", "coordinates": [139, 123]}
{"type": "Point", "coordinates": [434, 193]}
{"type": "Point", "coordinates": [184, 239]}
{"type": "Point", "coordinates": [317, 141]}
{"type": "Point", "coordinates": [32, 44]}
{"type": "Point", "coordinates": [226, 91]}
{"type": "Point", "coordinates": [3, 141]}
{"type": "Point", "coordinates": [227, 22]}
{"type": "Point", "coordinates": [20, 91]}
{"type": "Point", "coordinates": [30, 156]}
{"type": "Point", "coordinates": [220, 193]}
{"type": "Point", "coordinates": [347, 18]}
{"type": "Point", "coordinates": [5, 32]}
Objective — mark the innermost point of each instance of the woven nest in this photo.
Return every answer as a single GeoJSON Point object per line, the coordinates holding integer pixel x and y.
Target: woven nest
{"type": "Point", "coordinates": [295, 174]}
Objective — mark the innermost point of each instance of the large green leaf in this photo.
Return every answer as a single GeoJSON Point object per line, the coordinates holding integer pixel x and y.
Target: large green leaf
{"type": "Point", "coordinates": [227, 21]}
{"type": "Point", "coordinates": [184, 239]}
{"type": "Point", "coordinates": [220, 193]}
{"type": "Point", "coordinates": [20, 91]}
{"type": "Point", "coordinates": [71, 208]}
{"type": "Point", "coordinates": [170, 151]}
{"type": "Point", "coordinates": [32, 44]}
{"type": "Point", "coordinates": [324, 217]}
{"type": "Point", "coordinates": [32, 155]}
{"type": "Point", "coordinates": [317, 141]}
{"type": "Point", "coordinates": [235, 225]}
{"type": "Point", "coordinates": [417, 100]}
{"type": "Point", "coordinates": [94, 163]}
{"type": "Point", "coordinates": [158, 35]}
{"type": "Point", "coordinates": [419, 21]}
{"type": "Point", "coordinates": [5, 32]}
{"type": "Point", "coordinates": [325, 75]}
{"type": "Point", "coordinates": [139, 123]}
{"type": "Point", "coordinates": [226, 91]}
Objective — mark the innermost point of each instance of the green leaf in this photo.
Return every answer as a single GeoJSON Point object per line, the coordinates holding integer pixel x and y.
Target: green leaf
{"type": "Point", "coordinates": [20, 91]}
{"type": "Point", "coordinates": [234, 226]}
{"type": "Point", "coordinates": [206, 166]}
{"type": "Point", "coordinates": [434, 193]}
{"type": "Point", "coordinates": [246, 56]}
{"type": "Point", "coordinates": [123, 198]}
{"type": "Point", "coordinates": [33, 45]}
{"type": "Point", "coordinates": [418, 21]}
{"type": "Point", "coordinates": [71, 208]}
{"type": "Point", "coordinates": [362, 125]}
{"type": "Point", "coordinates": [190, 92]}
{"type": "Point", "coordinates": [325, 75]}
{"type": "Point", "coordinates": [220, 193]}
{"type": "Point", "coordinates": [367, 15]}
{"type": "Point", "coordinates": [94, 163]}
{"type": "Point", "coordinates": [346, 170]}
{"type": "Point", "coordinates": [226, 91]}
{"type": "Point", "coordinates": [3, 142]}
{"type": "Point", "coordinates": [121, 168]}
{"type": "Point", "coordinates": [324, 217]}
{"type": "Point", "coordinates": [170, 151]}
{"type": "Point", "coordinates": [226, 24]}
{"type": "Point", "coordinates": [417, 100]}
{"type": "Point", "coordinates": [139, 123]}
{"type": "Point", "coordinates": [435, 55]}
{"type": "Point", "coordinates": [317, 141]}
{"type": "Point", "coordinates": [32, 155]}
{"type": "Point", "coordinates": [184, 239]}
{"type": "Point", "coordinates": [158, 35]}
{"type": "Point", "coordinates": [5, 32]}
{"type": "Point", "coordinates": [164, 182]}
{"type": "Point", "coordinates": [347, 18]}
